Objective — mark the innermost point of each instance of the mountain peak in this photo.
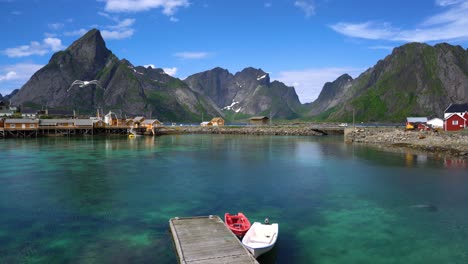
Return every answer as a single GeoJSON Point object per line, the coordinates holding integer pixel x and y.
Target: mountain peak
{"type": "Point", "coordinates": [251, 73]}
{"type": "Point", "coordinates": [91, 38]}
{"type": "Point", "coordinates": [89, 52]}
{"type": "Point", "coordinates": [252, 70]}
{"type": "Point", "coordinates": [219, 69]}
{"type": "Point", "coordinates": [90, 48]}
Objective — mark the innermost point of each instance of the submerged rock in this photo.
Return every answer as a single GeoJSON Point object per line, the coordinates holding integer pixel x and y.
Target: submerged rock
{"type": "Point", "coordinates": [428, 207]}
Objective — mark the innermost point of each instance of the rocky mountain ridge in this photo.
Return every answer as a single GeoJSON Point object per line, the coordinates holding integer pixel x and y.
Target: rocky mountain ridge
{"type": "Point", "coordinates": [414, 80]}
{"type": "Point", "coordinates": [122, 87]}
{"type": "Point", "coordinates": [248, 92]}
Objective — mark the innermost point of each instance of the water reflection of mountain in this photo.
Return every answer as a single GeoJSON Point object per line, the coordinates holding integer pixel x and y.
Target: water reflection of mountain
{"type": "Point", "coordinates": [393, 157]}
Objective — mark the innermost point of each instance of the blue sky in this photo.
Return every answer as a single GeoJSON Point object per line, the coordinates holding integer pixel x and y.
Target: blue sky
{"type": "Point", "coordinates": [303, 43]}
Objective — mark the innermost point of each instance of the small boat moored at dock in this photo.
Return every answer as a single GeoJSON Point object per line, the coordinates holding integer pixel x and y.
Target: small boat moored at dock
{"type": "Point", "coordinates": [238, 223]}
{"type": "Point", "coordinates": [261, 238]}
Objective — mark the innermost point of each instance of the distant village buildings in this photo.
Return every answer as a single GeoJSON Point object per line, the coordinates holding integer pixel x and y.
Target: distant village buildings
{"type": "Point", "coordinates": [6, 110]}
{"type": "Point", "coordinates": [217, 121]}
{"type": "Point", "coordinates": [259, 120]}
{"type": "Point", "coordinates": [23, 123]}
{"type": "Point", "coordinates": [416, 123]}
{"type": "Point", "coordinates": [456, 117]}
{"type": "Point", "coordinates": [206, 124]}
{"type": "Point", "coordinates": [149, 124]}
{"type": "Point", "coordinates": [436, 123]}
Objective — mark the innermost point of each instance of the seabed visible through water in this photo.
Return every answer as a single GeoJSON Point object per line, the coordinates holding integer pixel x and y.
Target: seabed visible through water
{"type": "Point", "coordinates": [108, 200]}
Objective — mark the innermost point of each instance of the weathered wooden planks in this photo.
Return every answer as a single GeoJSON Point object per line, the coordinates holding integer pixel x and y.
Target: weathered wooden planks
{"type": "Point", "coordinates": [206, 239]}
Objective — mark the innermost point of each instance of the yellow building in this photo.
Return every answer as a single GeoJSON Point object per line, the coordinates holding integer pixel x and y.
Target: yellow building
{"type": "Point", "coordinates": [21, 124]}
{"type": "Point", "coordinates": [151, 123]}
{"type": "Point", "coordinates": [217, 121]}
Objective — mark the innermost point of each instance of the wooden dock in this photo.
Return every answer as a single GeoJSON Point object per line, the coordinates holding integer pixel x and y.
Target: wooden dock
{"type": "Point", "coordinates": [206, 240]}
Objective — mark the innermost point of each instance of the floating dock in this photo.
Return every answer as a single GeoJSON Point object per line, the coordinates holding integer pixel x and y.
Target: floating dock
{"type": "Point", "coordinates": [206, 239]}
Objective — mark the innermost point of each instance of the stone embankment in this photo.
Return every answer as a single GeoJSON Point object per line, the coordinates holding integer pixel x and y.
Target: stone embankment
{"type": "Point", "coordinates": [254, 130]}
{"type": "Point", "coordinates": [442, 142]}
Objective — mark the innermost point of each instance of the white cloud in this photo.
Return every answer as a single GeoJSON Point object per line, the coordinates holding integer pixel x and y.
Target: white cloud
{"type": "Point", "coordinates": [366, 30]}
{"type": "Point", "coordinates": [14, 76]}
{"type": "Point", "coordinates": [35, 48]}
{"type": "Point", "coordinates": [308, 83]}
{"type": "Point", "coordinates": [50, 35]}
{"type": "Point", "coordinates": [451, 24]}
{"type": "Point", "coordinates": [104, 14]}
{"type": "Point", "coordinates": [123, 28]}
{"type": "Point", "coordinates": [169, 6]}
{"type": "Point", "coordinates": [16, 13]}
{"type": "Point", "coordinates": [174, 19]}
{"type": "Point", "coordinates": [56, 26]}
{"type": "Point", "coordinates": [192, 55]}
{"type": "Point", "coordinates": [117, 34]}
{"type": "Point", "coordinates": [447, 2]}
{"type": "Point", "coordinates": [55, 44]}
{"type": "Point", "coordinates": [454, 15]}
{"type": "Point", "coordinates": [80, 32]}
{"type": "Point", "coordinates": [267, 4]}
{"type": "Point", "coordinates": [11, 75]}
{"type": "Point", "coordinates": [307, 6]}
{"type": "Point", "coordinates": [128, 22]}
{"type": "Point", "coordinates": [171, 71]}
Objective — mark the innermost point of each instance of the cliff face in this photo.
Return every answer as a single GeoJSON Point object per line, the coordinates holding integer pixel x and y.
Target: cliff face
{"type": "Point", "coordinates": [123, 87]}
{"type": "Point", "coordinates": [415, 80]}
{"type": "Point", "coordinates": [248, 92]}
{"type": "Point", "coordinates": [332, 94]}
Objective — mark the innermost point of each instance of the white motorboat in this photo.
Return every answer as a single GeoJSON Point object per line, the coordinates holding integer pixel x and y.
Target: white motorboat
{"type": "Point", "coordinates": [261, 238]}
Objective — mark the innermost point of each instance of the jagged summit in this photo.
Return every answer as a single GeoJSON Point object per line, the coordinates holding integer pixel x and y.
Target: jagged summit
{"type": "Point", "coordinates": [415, 79]}
{"type": "Point", "coordinates": [247, 92]}
{"type": "Point", "coordinates": [123, 87]}
{"type": "Point", "coordinates": [92, 38]}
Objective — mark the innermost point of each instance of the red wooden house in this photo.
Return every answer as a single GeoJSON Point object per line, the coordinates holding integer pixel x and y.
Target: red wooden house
{"type": "Point", "coordinates": [455, 122]}
{"type": "Point", "coordinates": [456, 117]}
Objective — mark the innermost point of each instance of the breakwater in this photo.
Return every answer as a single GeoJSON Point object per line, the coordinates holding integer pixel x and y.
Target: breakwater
{"type": "Point", "coordinates": [305, 130]}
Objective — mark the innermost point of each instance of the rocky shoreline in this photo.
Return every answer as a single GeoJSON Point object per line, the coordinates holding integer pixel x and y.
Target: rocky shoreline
{"type": "Point", "coordinates": [450, 144]}
{"type": "Point", "coordinates": [252, 130]}
{"type": "Point", "coordinates": [453, 144]}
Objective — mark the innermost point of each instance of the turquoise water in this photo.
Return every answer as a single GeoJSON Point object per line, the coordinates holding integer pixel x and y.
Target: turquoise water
{"type": "Point", "coordinates": [108, 200]}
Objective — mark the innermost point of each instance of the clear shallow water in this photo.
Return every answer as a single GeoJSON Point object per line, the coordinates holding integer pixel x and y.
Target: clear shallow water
{"type": "Point", "coordinates": [108, 200]}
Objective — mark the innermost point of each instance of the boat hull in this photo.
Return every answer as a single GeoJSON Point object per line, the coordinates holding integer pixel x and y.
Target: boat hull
{"type": "Point", "coordinates": [239, 224]}
{"type": "Point", "coordinates": [260, 238]}
{"type": "Point", "coordinates": [257, 252]}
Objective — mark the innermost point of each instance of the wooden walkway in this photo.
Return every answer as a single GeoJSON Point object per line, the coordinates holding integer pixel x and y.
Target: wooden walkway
{"type": "Point", "coordinates": [206, 239]}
